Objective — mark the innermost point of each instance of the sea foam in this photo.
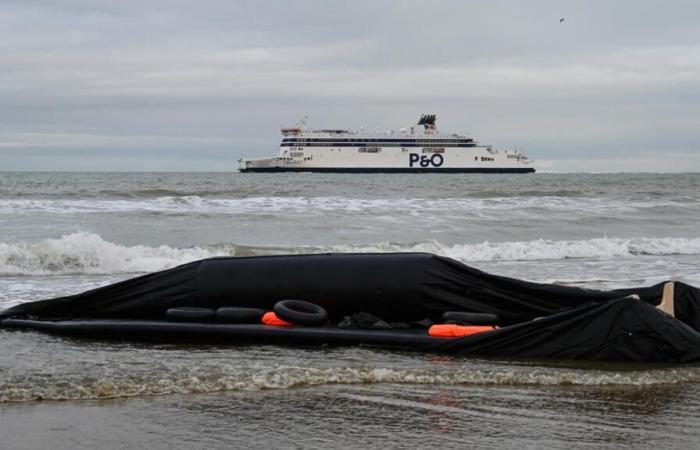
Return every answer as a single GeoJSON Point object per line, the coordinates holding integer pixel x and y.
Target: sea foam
{"type": "Point", "coordinates": [226, 379]}
{"type": "Point", "coordinates": [194, 204]}
{"type": "Point", "coordinates": [89, 253]}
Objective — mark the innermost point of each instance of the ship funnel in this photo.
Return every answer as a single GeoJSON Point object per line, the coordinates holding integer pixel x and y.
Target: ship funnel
{"type": "Point", "coordinates": [427, 119]}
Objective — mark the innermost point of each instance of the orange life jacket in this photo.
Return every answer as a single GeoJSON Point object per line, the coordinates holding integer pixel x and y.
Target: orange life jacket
{"type": "Point", "coordinates": [451, 330]}
{"type": "Point", "coordinates": [270, 318]}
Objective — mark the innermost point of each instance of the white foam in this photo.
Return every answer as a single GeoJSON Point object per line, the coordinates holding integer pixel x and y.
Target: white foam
{"type": "Point", "coordinates": [541, 249]}
{"type": "Point", "coordinates": [288, 377]}
{"type": "Point", "coordinates": [88, 253]}
{"type": "Point", "coordinates": [265, 205]}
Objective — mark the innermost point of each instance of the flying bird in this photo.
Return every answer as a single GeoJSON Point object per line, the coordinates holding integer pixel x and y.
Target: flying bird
{"type": "Point", "coordinates": [561, 20]}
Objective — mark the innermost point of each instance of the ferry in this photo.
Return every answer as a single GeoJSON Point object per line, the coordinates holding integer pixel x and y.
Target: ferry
{"type": "Point", "coordinates": [420, 148]}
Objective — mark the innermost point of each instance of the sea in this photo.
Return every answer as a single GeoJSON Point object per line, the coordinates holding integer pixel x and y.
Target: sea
{"type": "Point", "coordinates": [64, 233]}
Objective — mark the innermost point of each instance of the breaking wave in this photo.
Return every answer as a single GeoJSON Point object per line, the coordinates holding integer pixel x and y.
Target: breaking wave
{"type": "Point", "coordinates": [88, 253]}
{"type": "Point", "coordinates": [289, 377]}
{"type": "Point", "coordinates": [196, 204]}
{"type": "Point", "coordinates": [541, 249]}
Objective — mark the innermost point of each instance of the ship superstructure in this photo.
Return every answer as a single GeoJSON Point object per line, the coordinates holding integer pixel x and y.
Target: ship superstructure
{"type": "Point", "coordinates": [418, 148]}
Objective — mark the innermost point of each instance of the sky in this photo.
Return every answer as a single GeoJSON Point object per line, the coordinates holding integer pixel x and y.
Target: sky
{"type": "Point", "coordinates": [170, 85]}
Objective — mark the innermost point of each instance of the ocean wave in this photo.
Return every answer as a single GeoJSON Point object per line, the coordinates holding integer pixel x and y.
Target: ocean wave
{"type": "Point", "coordinates": [541, 249]}
{"type": "Point", "coordinates": [470, 206]}
{"type": "Point", "coordinates": [290, 377]}
{"type": "Point", "coordinates": [89, 253]}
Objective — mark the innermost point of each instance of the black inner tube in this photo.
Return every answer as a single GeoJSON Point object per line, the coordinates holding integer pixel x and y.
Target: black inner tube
{"type": "Point", "coordinates": [231, 314]}
{"type": "Point", "coordinates": [300, 312]}
{"type": "Point", "coordinates": [470, 318]}
{"type": "Point", "coordinates": [190, 314]}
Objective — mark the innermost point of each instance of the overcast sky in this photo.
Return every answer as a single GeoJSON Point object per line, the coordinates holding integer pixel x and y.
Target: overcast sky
{"type": "Point", "coordinates": [193, 85]}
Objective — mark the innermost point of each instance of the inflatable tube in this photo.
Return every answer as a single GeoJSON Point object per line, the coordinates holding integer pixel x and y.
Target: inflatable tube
{"type": "Point", "coordinates": [469, 318]}
{"type": "Point", "coordinates": [232, 314]}
{"type": "Point", "coordinates": [190, 314]}
{"type": "Point", "coordinates": [300, 312]}
{"type": "Point", "coordinates": [619, 330]}
{"type": "Point", "coordinates": [160, 331]}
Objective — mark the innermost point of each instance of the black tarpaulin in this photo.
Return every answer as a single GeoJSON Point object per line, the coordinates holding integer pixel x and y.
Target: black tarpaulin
{"type": "Point", "coordinates": [616, 330]}
{"type": "Point", "coordinates": [405, 287]}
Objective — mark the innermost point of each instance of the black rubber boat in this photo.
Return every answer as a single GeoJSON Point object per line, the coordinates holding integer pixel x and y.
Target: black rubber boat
{"type": "Point", "coordinates": [399, 290]}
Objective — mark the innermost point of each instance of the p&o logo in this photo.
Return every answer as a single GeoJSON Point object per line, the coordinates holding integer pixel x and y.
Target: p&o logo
{"type": "Point", "coordinates": [434, 160]}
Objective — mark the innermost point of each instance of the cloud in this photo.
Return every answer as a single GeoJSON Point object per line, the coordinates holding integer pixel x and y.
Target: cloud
{"type": "Point", "coordinates": [108, 75]}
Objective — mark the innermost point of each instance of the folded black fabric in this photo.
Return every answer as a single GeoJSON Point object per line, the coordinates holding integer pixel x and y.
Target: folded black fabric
{"type": "Point", "coordinates": [363, 321]}
{"type": "Point", "coordinates": [393, 291]}
{"type": "Point", "coordinates": [617, 330]}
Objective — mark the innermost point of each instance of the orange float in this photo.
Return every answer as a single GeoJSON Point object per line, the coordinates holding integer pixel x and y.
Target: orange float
{"type": "Point", "coordinates": [451, 330]}
{"type": "Point", "coordinates": [270, 318]}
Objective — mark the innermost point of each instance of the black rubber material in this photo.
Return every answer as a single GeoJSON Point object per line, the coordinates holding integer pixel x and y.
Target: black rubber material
{"type": "Point", "coordinates": [230, 314]}
{"type": "Point", "coordinates": [190, 314]}
{"type": "Point", "coordinates": [403, 287]}
{"type": "Point", "coordinates": [300, 312]}
{"type": "Point", "coordinates": [220, 333]}
{"type": "Point", "coordinates": [470, 318]}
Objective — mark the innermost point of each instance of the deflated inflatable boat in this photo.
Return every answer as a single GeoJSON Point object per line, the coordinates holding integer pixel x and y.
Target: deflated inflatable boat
{"type": "Point", "coordinates": [402, 294]}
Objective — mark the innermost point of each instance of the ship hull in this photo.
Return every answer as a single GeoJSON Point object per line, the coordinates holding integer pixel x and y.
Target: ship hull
{"type": "Point", "coordinates": [389, 169]}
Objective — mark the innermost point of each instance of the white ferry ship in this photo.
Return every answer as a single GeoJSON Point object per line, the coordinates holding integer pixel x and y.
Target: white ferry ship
{"type": "Point", "coordinates": [420, 148]}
